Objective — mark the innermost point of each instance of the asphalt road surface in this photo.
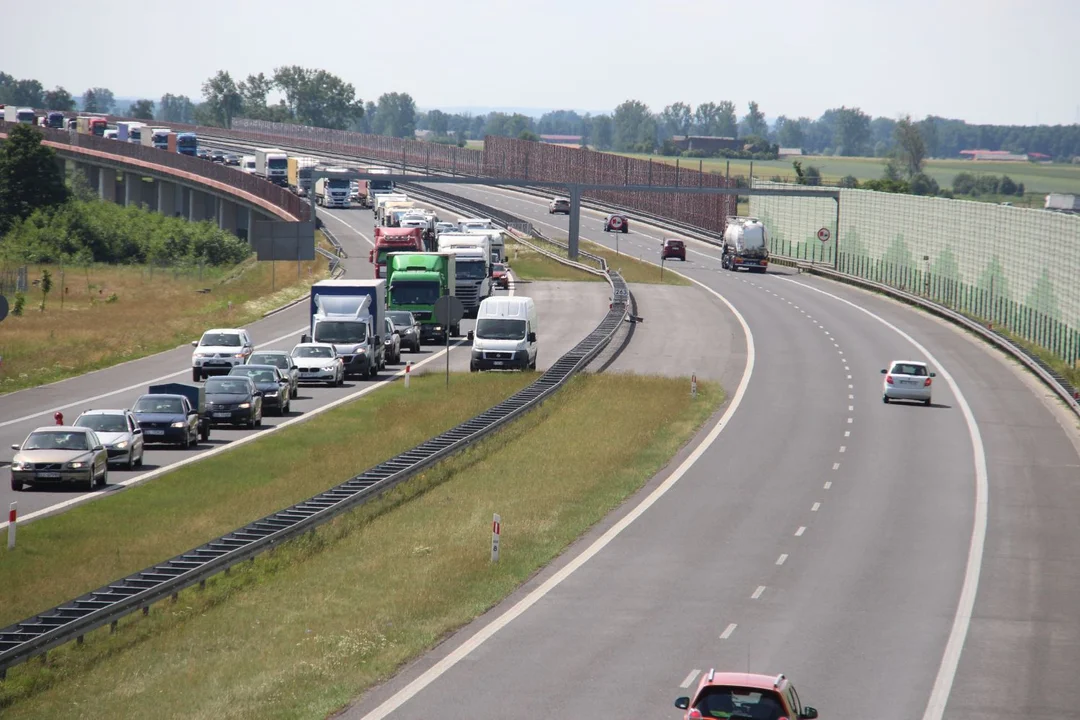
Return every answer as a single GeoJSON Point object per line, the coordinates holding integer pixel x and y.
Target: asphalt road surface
{"type": "Point", "coordinates": [822, 534]}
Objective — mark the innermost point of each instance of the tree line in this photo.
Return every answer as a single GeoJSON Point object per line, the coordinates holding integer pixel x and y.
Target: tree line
{"type": "Point", "coordinates": [316, 97]}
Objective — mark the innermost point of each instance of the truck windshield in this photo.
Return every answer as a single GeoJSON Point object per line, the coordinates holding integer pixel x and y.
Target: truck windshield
{"type": "Point", "coordinates": [380, 185]}
{"type": "Point", "coordinates": [414, 293]}
{"type": "Point", "coordinates": [277, 163]}
{"type": "Point", "coordinates": [471, 270]}
{"type": "Point", "coordinates": [187, 141]}
{"type": "Point", "coordinates": [331, 331]}
{"type": "Point", "coordinates": [135, 135]}
{"type": "Point", "coordinates": [500, 329]}
{"type": "Point", "coordinates": [338, 184]}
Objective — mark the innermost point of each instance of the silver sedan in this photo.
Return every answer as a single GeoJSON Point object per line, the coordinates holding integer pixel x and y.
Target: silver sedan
{"type": "Point", "coordinates": [907, 380]}
{"type": "Point", "coordinates": [60, 454]}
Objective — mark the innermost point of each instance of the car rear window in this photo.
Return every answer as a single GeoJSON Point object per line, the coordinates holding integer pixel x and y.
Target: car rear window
{"type": "Point", "coordinates": [905, 369]}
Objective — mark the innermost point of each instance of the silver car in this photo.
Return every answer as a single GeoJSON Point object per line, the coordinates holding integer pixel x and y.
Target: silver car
{"type": "Point", "coordinates": [319, 362]}
{"type": "Point", "coordinates": [60, 454]}
{"type": "Point", "coordinates": [406, 326]}
{"type": "Point", "coordinates": [284, 362]}
{"type": "Point", "coordinates": [907, 380]}
{"type": "Point", "coordinates": [119, 432]}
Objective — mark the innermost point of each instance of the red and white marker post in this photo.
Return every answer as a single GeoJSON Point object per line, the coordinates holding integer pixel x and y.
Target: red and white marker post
{"type": "Point", "coordinates": [13, 513]}
{"type": "Point", "coordinates": [408, 372]}
{"type": "Point", "coordinates": [496, 530]}
{"type": "Point", "coordinates": [693, 385]}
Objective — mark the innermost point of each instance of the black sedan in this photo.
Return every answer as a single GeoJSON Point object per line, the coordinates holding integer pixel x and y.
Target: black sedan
{"type": "Point", "coordinates": [273, 385]}
{"type": "Point", "coordinates": [283, 361]}
{"type": "Point", "coordinates": [232, 160]}
{"type": "Point", "coordinates": [217, 156]}
{"type": "Point", "coordinates": [233, 401]}
{"type": "Point", "coordinates": [202, 154]}
{"type": "Point", "coordinates": [408, 327]}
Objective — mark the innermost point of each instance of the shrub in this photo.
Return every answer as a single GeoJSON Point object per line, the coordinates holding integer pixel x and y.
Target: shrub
{"type": "Point", "coordinates": [963, 183]}
{"type": "Point", "coordinates": [1007, 186]}
{"type": "Point", "coordinates": [923, 184]}
{"type": "Point", "coordinates": [20, 304]}
{"type": "Point", "coordinates": [849, 181]}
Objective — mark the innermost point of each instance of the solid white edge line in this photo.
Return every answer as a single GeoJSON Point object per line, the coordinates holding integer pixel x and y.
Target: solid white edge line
{"type": "Point", "coordinates": [728, 630]}
{"type": "Point", "coordinates": [186, 371]}
{"type": "Point", "coordinates": [689, 678]}
{"type": "Point", "coordinates": [468, 646]}
{"type": "Point", "coordinates": [53, 509]}
{"type": "Point", "coordinates": [954, 646]}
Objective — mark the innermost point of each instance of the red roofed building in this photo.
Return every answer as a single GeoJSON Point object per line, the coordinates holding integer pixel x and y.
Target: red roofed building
{"type": "Point", "coordinates": [561, 139]}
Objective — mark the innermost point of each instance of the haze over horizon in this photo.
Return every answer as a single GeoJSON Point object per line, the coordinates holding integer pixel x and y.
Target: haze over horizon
{"type": "Point", "coordinates": [1002, 65]}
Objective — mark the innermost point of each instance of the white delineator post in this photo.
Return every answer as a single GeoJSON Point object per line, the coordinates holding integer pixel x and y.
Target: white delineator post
{"type": "Point", "coordinates": [693, 385]}
{"type": "Point", "coordinates": [13, 512]}
{"type": "Point", "coordinates": [408, 372]}
{"type": "Point", "coordinates": [496, 529]}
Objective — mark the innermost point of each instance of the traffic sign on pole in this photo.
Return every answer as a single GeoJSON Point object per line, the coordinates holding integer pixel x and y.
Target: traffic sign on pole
{"type": "Point", "coordinates": [823, 235]}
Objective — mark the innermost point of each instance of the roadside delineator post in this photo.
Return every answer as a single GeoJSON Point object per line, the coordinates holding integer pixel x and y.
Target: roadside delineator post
{"type": "Point", "coordinates": [13, 513]}
{"type": "Point", "coordinates": [496, 530]}
{"type": "Point", "coordinates": [408, 372]}
{"type": "Point", "coordinates": [693, 385]}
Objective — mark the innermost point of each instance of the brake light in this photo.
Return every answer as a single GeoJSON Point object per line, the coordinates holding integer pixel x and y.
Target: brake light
{"type": "Point", "coordinates": [888, 379]}
{"type": "Point", "coordinates": [694, 715]}
{"type": "Point", "coordinates": [927, 383]}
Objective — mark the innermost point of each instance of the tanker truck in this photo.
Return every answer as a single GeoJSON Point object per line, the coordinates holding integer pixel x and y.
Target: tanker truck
{"type": "Point", "coordinates": [746, 245]}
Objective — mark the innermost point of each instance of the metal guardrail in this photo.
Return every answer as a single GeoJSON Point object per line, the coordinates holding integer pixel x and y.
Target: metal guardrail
{"type": "Point", "coordinates": [106, 605]}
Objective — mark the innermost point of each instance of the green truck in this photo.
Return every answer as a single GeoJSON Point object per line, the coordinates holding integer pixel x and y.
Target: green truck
{"type": "Point", "coordinates": [414, 281]}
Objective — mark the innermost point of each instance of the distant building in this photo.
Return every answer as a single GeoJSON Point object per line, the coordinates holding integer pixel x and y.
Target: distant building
{"type": "Point", "coordinates": [561, 139]}
{"type": "Point", "coordinates": [423, 134]}
{"type": "Point", "coordinates": [1039, 157]}
{"type": "Point", "coordinates": [993, 156]}
{"type": "Point", "coordinates": [789, 152]}
{"type": "Point", "coordinates": [705, 143]}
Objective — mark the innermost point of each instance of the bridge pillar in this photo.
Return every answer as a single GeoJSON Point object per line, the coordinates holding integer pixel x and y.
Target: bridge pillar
{"type": "Point", "coordinates": [107, 184]}
{"type": "Point", "coordinates": [575, 222]}
{"type": "Point", "coordinates": [243, 222]}
{"type": "Point", "coordinates": [166, 198]}
{"type": "Point", "coordinates": [196, 205]}
{"type": "Point", "coordinates": [226, 216]}
{"type": "Point", "coordinates": [132, 189]}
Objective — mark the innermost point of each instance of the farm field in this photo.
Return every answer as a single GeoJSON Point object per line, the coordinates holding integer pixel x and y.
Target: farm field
{"type": "Point", "coordinates": [1037, 178]}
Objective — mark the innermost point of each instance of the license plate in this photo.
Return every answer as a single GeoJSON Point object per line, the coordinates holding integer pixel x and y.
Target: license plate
{"type": "Point", "coordinates": [222, 415]}
{"type": "Point", "coordinates": [498, 362]}
{"type": "Point", "coordinates": [48, 475]}
{"type": "Point", "coordinates": [154, 432]}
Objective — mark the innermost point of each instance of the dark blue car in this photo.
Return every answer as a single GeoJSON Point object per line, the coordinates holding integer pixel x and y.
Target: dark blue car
{"type": "Point", "coordinates": [168, 419]}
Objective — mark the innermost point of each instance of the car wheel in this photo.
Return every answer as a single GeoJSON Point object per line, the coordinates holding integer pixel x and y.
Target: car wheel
{"type": "Point", "coordinates": [104, 479]}
{"type": "Point", "coordinates": [186, 443]}
{"type": "Point", "coordinates": [131, 460]}
{"type": "Point", "coordinates": [259, 417]}
{"type": "Point", "coordinates": [332, 383]}
{"type": "Point", "coordinates": [204, 432]}
{"type": "Point", "coordinates": [142, 456]}
{"type": "Point", "coordinates": [926, 402]}
{"type": "Point", "coordinates": [196, 376]}
{"type": "Point", "coordinates": [472, 367]}
{"type": "Point", "coordinates": [16, 485]}
{"type": "Point", "coordinates": [885, 399]}
{"type": "Point", "coordinates": [93, 481]}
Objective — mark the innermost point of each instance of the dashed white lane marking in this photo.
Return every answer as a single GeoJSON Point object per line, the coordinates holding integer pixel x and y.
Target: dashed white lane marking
{"type": "Point", "coordinates": [850, 387]}
{"type": "Point", "coordinates": [836, 344]}
{"type": "Point", "coordinates": [850, 420]}
{"type": "Point", "coordinates": [836, 466]}
{"type": "Point", "coordinates": [815, 507]}
{"type": "Point", "coordinates": [843, 448]}
{"type": "Point", "coordinates": [689, 678]}
{"type": "Point", "coordinates": [828, 485]}
{"type": "Point", "coordinates": [850, 408]}
{"type": "Point", "coordinates": [849, 377]}
{"type": "Point", "coordinates": [850, 397]}
{"type": "Point", "coordinates": [758, 592]}
{"type": "Point", "coordinates": [728, 630]}
{"type": "Point", "coordinates": [782, 559]}
{"type": "Point", "coordinates": [800, 531]}
{"type": "Point", "coordinates": [847, 433]}
{"type": "Point", "coordinates": [846, 367]}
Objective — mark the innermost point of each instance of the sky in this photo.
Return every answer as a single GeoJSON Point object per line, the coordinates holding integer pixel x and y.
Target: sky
{"type": "Point", "coordinates": [984, 61]}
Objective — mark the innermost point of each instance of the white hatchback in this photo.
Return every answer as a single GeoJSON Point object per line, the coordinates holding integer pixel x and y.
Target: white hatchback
{"type": "Point", "coordinates": [907, 380]}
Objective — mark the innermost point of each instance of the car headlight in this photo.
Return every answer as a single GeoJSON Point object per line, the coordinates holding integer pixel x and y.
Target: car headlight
{"type": "Point", "coordinates": [78, 464]}
{"type": "Point", "coordinates": [200, 354]}
{"type": "Point", "coordinates": [271, 393]}
{"type": "Point", "coordinates": [244, 406]}
{"type": "Point", "coordinates": [120, 445]}
{"type": "Point", "coordinates": [22, 466]}
{"type": "Point", "coordinates": [331, 367]}
{"type": "Point", "coordinates": [361, 351]}
{"type": "Point", "coordinates": [178, 424]}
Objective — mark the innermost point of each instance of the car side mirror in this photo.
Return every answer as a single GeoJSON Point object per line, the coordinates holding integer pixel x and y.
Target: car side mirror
{"type": "Point", "coordinates": [470, 336]}
{"type": "Point", "coordinates": [14, 447]}
{"type": "Point", "coordinates": [883, 371]}
{"type": "Point", "coordinates": [933, 374]}
{"type": "Point", "coordinates": [531, 337]}
{"type": "Point", "coordinates": [194, 343]}
{"type": "Point", "coordinates": [99, 448]}
{"type": "Point", "coordinates": [682, 703]}
{"type": "Point", "coordinates": [808, 713]}
{"type": "Point", "coordinates": [137, 431]}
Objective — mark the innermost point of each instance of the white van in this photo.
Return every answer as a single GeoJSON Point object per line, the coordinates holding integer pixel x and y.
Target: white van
{"type": "Point", "coordinates": [505, 335]}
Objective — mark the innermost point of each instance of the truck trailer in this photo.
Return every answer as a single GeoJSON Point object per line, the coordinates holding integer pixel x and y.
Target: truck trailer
{"type": "Point", "coordinates": [129, 131]}
{"type": "Point", "coordinates": [746, 245]}
{"type": "Point", "coordinates": [299, 174]}
{"type": "Point", "coordinates": [272, 164]}
{"type": "Point", "coordinates": [350, 315]}
{"type": "Point", "coordinates": [414, 282]}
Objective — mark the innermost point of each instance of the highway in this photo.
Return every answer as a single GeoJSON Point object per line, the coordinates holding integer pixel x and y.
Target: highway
{"type": "Point", "coordinates": [816, 532]}
{"type": "Point", "coordinates": [564, 324]}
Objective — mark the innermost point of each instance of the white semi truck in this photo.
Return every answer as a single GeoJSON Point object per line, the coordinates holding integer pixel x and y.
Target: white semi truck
{"type": "Point", "coordinates": [472, 261]}
{"type": "Point", "coordinates": [332, 191]}
{"type": "Point", "coordinates": [273, 165]}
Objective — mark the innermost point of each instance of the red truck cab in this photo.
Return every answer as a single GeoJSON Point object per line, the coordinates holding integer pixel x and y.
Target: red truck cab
{"type": "Point", "coordinates": [391, 239]}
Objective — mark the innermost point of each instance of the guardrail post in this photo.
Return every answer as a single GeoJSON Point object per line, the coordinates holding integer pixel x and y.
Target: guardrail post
{"type": "Point", "coordinates": [13, 513]}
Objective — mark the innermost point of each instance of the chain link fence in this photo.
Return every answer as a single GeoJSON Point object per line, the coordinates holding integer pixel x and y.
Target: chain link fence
{"type": "Point", "coordinates": [13, 280]}
{"type": "Point", "coordinates": [1016, 268]}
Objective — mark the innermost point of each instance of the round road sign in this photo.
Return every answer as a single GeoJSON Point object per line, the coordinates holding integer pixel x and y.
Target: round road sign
{"type": "Point", "coordinates": [823, 235]}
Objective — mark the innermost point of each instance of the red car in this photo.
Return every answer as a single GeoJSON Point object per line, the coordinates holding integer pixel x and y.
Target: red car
{"type": "Point", "coordinates": [500, 274]}
{"type": "Point", "coordinates": [673, 249]}
{"type": "Point", "coordinates": [617, 223]}
{"type": "Point", "coordinates": [737, 694]}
